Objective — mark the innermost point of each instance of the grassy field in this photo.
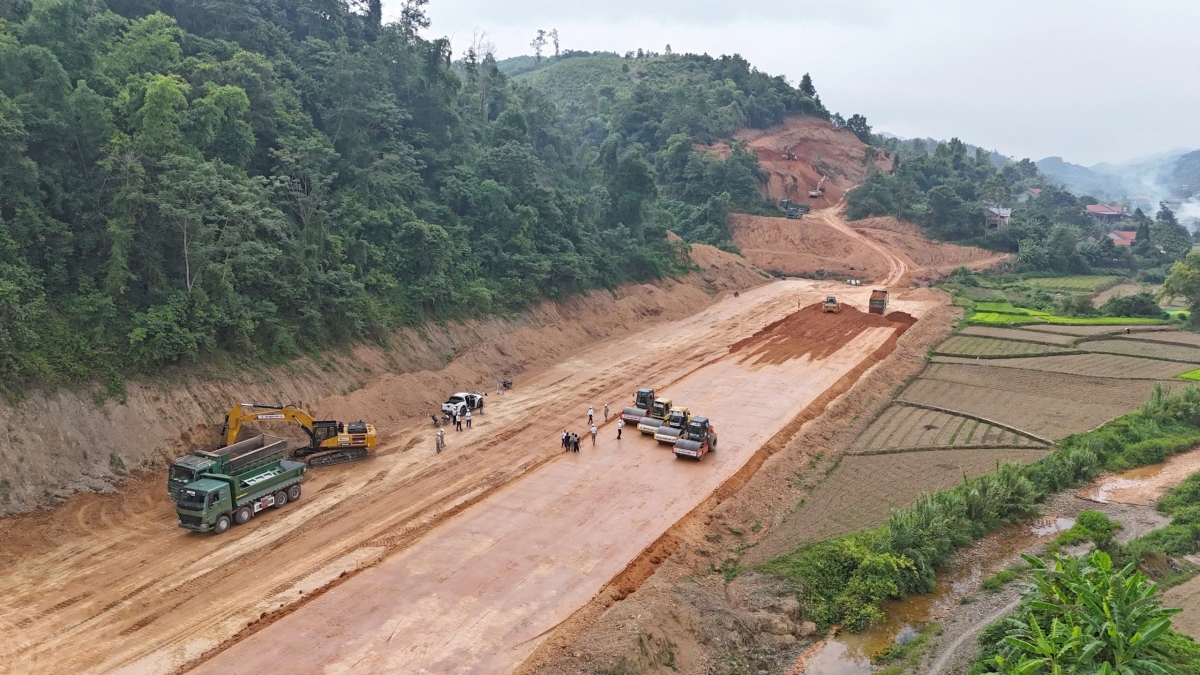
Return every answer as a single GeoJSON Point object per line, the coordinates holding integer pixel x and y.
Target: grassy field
{"type": "Point", "coordinates": [1004, 313]}
{"type": "Point", "coordinates": [1098, 330]}
{"type": "Point", "coordinates": [969, 345]}
{"type": "Point", "coordinates": [903, 426]}
{"type": "Point", "coordinates": [1042, 403]}
{"type": "Point", "coordinates": [1096, 364]}
{"type": "Point", "coordinates": [1076, 284]}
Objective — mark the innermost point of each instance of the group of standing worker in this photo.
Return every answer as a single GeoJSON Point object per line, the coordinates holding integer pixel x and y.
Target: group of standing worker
{"type": "Point", "coordinates": [570, 441]}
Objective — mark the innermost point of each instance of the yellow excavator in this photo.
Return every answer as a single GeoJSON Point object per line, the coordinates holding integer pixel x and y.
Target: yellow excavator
{"type": "Point", "coordinates": [330, 442]}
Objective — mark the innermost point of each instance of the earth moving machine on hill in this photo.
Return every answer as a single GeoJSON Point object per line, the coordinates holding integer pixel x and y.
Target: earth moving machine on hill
{"type": "Point", "coordinates": [789, 154]}
{"type": "Point", "coordinates": [247, 455]}
{"type": "Point", "coordinates": [794, 210]}
{"type": "Point", "coordinates": [672, 429]}
{"type": "Point", "coordinates": [831, 305]}
{"type": "Point", "coordinates": [460, 403]}
{"type": "Point", "coordinates": [217, 500]}
{"type": "Point", "coordinates": [818, 191]}
{"type": "Point", "coordinates": [643, 400]}
{"type": "Point", "coordinates": [655, 416]}
{"type": "Point", "coordinates": [878, 302]}
{"type": "Point", "coordinates": [699, 439]}
{"type": "Point", "coordinates": [330, 442]}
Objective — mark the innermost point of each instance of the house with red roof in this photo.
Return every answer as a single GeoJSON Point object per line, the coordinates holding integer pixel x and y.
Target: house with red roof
{"type": "Point", "coordinates": [1123, 237]}
{"type": "Point", "coordinates": [1031, 193]}
{"type": "Point", "coordinates": [1106, 213]}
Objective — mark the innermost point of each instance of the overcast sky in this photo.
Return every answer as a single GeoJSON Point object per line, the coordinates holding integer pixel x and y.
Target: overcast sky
{"type": "Point", "coordinates": [1088, 80]}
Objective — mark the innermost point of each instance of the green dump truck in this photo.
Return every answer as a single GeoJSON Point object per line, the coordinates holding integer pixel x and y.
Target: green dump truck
{"type": "Point", "coordinates": [233, 459]}
{"type": "Point", "coordinates": [214, 500]}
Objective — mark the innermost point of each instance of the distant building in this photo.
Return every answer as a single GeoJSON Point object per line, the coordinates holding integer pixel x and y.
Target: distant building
{"type": "Point", "coordinates": [1106, 213]}
{"type": "Point", "coordinates": [1031, 193]}
{"type": "Point", "coordinates": [1123, 237]}
{"type": "Point", "coordinates": [997, 216]}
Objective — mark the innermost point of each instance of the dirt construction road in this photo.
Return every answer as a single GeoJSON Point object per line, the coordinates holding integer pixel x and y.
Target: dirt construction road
{"type": "Point", "coordinates": [423, 562]}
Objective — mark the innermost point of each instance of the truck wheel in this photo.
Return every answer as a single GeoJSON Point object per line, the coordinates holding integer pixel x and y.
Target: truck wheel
{"type": "Point", "coordinates": [243, 515]}
{"type": "Point", "coordinates": [280, 499]}
{"type": "Point", "coordinates": [222, 525]}
{"type": "Point", "coordinates": [293, 493]}
{"type": "Point", "coordinates": [712, 445]}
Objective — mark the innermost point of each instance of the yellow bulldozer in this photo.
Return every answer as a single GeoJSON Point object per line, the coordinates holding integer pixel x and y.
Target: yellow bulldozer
{"type": "Point", "coordinates": [831, 305]}
{"type": "Point", "coordinates": [330, 442]}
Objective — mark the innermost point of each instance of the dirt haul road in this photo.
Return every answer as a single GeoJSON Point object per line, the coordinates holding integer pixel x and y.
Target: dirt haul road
{"type": "Point", "coordinates": [137, 594]}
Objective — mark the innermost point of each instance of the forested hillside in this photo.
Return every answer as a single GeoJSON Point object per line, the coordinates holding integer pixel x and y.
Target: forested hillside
{"type": "Point", "coordinates": [666, 104]}
{"type": "Point", "coordinates": [947, 190]}
{"type": "Point", "coordinates": [267, 178]}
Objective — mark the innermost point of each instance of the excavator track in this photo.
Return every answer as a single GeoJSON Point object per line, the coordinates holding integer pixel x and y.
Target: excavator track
{"type": "Point", "coordinates": [338, 457]}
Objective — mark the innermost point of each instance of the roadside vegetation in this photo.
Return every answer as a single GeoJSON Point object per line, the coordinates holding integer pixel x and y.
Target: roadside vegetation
{"type": "Point", "coordinates": [1003, 299]}
{"type": "Point", "coordinates": [845, 580]}
{"type": "Point", "coordinates": [1087, 615]}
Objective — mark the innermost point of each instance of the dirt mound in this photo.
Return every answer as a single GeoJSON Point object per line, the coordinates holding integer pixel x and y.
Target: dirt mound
{"type": "Point", "coordinates": [821, 149]}
{"type": "Point", "coordinates": [806, 246]}
{"type": "Point", "coordinates": [936, 259]}
{"type": "Point", "coordinates": [813, 333]}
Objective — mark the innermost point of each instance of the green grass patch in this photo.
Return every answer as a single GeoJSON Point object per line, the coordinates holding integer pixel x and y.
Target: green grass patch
{"type": "Point", "coordinates": [1082, 283]}
{"type": "Point", "coordinates": [1193, 375]}
{"type": "Point", "coordinates": [994, 583]}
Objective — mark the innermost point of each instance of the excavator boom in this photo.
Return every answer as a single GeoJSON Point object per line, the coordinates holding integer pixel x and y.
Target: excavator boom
{"type": "Point", "coordinates": [336, 442]}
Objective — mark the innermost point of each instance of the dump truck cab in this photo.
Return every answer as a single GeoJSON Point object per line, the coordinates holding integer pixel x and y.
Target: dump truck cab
{"type": "Point", "coordinates": [655, 416]}
{"type": "Point", "coordinates": [643, 400]}
{"type": "Point", "coordinates": [205, 504]}
{"type": "Point", "coordinates": [185, 471]}
{"type": "Point", "coordinates": [831, 305]}
{"type": "Point", "coordinates": [698, 439]}
{"type": "Point", "coordinates": [670, 430]}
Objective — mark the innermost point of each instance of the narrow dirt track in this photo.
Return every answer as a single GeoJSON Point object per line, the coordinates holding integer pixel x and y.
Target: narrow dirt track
{"type": "Point", "coordinates": [135, 593]}
{"type": "Point", "coordinates": [897, 267]}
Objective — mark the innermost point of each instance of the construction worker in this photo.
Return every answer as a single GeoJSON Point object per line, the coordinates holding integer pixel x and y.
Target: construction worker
{"type": "Point", "coordinates": [458, 421]}
{"type": "Point", "coordinates": [468, 419]}
{"type": "Point", "coordinates": [606, 413]}
{"type": "Point", "coordinates": [590, 414]}
{"type": "Point", "coordinates": [564, 439]}
{"type": "Point", "coordinates": [593, 435]}
{"type": "Point", "coordinates": [439, 440]}
{"type": "Point", "coordinates": [620, 426]}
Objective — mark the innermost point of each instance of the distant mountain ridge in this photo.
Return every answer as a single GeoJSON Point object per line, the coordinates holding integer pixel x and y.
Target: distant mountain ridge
{"type": "Point", "coordinates": [1156, 177]}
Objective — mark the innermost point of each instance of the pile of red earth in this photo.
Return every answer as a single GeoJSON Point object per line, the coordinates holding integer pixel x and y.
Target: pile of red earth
{"type": "Point", "coordinates": [814, 333]}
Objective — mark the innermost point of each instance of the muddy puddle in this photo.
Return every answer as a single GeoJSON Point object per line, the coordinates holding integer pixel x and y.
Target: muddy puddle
{"type": "Point", "coordinates": [1144, 485]}
{"type": "Point", "coordinates": [851, 653]}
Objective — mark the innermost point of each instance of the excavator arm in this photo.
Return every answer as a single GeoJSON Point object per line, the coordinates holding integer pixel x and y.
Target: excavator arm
{"type": "Point", "coordinates": [257, 412]}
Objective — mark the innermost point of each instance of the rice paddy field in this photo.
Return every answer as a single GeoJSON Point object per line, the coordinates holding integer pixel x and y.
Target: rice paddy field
{"type": "Point", "coordinates": [1041, 403]}
{"type": "Point", "coordinates": [970, 345]}
{"type": "Point", "coordinates": [1018, 335]}
{"type": "Point", "coordinates": [864, 488]}
{"type": "Point", "coordinates": [1099, 330]}
{"type": "Point", "coordinates": [903, 426]}
{"type": "Point", "coordinates": [1144, 348]}
{"type": "Point", "coordinates": [1174, 337]}
{"type": "Point", "coordinates": [1093, 365]}
{"type": "Point", "coordinates": [993, 393]}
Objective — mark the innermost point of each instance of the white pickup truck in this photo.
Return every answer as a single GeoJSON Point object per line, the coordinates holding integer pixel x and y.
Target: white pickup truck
{"type": "Point", "coordinates": [460, 403]}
